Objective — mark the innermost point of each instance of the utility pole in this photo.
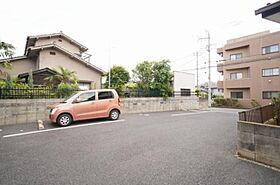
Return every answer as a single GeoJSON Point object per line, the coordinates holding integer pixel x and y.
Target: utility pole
{"type": "Point", "coordinates": [196, 69]}
{"type": "Point", "coordinates": [209, 67]}
{"type": "Point", "coordinates": [109, 67]}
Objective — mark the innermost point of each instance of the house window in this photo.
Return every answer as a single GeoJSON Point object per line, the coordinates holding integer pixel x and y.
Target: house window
{"type": "Point", "coordinates": [269, 94]}
{"type": "Point", "coordinates": [238, 95]}
{"type": "Point", "coordinates": [271, 72]}
{"type": "Point", "coordinates": [236, 56]}
{"type": "Point", "coordinates": [52, 53]}
{"type": "Point", "coordinates": [105, 95]}
{"type": "Point", "coordinates": [270, 49]}
{"type": "Point", "coordinates": [235, 76]}
{"type": "Point", "coordinates": [185, 92]}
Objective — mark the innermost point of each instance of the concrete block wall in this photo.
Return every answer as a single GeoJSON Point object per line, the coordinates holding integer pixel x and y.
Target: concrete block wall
{"type": "Point", "coordinates": [20, 111]}
{"type": "Point", "coordinates": [140, 105]}
{"type": "Point", "coordinates": [29, 111]}
{"type": "Point", "coordinates": [259, 142]}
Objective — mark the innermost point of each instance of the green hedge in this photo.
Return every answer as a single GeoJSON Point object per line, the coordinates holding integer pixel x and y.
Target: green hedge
{"type": "Point", "coordinates": [226, 102]}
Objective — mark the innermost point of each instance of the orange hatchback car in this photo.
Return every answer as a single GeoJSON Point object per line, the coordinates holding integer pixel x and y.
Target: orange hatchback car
{"type": "Point", "coordinates": [103, 103]}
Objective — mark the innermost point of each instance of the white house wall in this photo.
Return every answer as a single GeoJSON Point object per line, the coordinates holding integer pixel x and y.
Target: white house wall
{"type": "Point", "coordinates": [184, 81]}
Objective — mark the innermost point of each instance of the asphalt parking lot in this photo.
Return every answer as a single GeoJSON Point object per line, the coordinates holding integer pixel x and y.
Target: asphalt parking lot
{"type": "Point", "coordinates": [152, 148]}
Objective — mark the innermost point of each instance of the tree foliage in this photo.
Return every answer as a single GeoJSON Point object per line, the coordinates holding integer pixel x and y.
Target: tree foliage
{"type": "Point", "coordinates": [119, 77]}
{"type": "Point", "coordinates": [6, 50]}
{"type": "Point", "coordinates": [143, 75]}
{"type": "Point", "coordinates": [162, 77]}
{"type": "Point", "coordinates": [63, 76]}
{"type": "Point", "coordinates": [30, 79]}
{"type": "Point", "coordinates": [154, 76]}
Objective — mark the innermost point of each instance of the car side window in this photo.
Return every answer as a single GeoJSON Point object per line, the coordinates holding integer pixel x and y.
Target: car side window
{"type": "Point", "coordinates": [87, 97]}
{"type": "Point", "coordinates": [105, 95]}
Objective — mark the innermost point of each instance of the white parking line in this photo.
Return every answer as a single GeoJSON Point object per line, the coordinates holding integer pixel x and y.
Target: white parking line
{"type": "Point", "coordinates": [0, 130]}
{"type": "Point", "coordinates": [216, 111]}
{"type": "Point", "coordinates": [61, 128]}
{"type": "Point", "coordinates": [189, 113]}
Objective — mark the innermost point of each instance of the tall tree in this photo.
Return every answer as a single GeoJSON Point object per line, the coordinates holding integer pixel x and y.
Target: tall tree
{"type": "Point", "coordinates": [119, 77]}
{"type": "Point", "coordinates": [155, 76]}
{"type": "Point", "coordinates": [143, 75]}
{"type": "Point", "coordinates": [162, 77]}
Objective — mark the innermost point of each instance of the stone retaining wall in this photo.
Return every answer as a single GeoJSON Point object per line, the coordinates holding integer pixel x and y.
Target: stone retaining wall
{"type": "Point", "coordinates": [259, 142]}
{"type": "Point", "coordinates": [29, 111]}
{"type": "Point", "coordinates": [139, 105]}
{"type": "Point", "coordinates": [24, 110]}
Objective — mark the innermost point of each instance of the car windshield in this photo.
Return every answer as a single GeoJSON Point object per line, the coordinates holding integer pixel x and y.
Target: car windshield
{"type": "Point", "coordinates": [69, 98]}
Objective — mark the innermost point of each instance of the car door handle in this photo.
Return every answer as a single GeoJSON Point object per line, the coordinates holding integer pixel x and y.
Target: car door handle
{"type": "Point", "coordinates": [110, 100]}
{"type": "Point", "coordinates": [92, 102]}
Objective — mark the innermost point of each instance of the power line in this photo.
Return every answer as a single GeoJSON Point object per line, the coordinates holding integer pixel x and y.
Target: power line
{"type": "Point", "coordinates": [229, 64]}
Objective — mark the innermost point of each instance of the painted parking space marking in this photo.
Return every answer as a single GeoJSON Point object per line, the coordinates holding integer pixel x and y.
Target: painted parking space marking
{"type": "Point", "coordinates": [203, 112]}
{"type": "Point", "coordinates": [146, 115]}
{"type": "Point", "coordinates": [1, 130]}
{"type": "Point", "coordinates": [61, 128]}
{"type": "Point", "coordinates": [188, 113]}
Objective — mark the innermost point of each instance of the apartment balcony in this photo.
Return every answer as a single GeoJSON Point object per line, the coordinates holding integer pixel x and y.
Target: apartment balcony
{"type": "Point", "coordinates": [236, 84]}
{"type": "Point", "coordinates": [220, 67]}
{"type": "Point", "coordinates": [220, 84]}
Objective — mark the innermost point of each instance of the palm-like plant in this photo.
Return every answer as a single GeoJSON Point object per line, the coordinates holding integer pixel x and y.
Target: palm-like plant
{"type": "Point", "coordinates": [63, 76]}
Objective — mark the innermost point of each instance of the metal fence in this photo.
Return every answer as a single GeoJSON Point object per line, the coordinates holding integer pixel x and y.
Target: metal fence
{"type": "Point", "coordinates": [153, 93]}
{"type": "Point", "coordinates": [259, 114]}
{"type": "Point", "coordinates": [27, 93]}
{"type": "Point", "coordinates": [47, 93]}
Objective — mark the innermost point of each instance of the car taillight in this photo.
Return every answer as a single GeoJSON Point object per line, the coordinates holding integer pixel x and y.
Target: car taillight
{"type": "Point", "coordinates": [119, 101]}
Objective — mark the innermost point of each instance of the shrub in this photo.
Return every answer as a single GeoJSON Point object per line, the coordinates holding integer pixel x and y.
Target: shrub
{"type": "Point", "coordinates": [254, 103]}
{"type": "Point", "coordinates": [276, 108]}
{"type": "Point", "coordinates": [226, 102]}
{"type": "Point", "coordinates": [65, 90]}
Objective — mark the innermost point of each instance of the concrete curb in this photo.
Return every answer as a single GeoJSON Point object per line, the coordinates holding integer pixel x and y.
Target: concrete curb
{"type": "Point", "coordinates": [257, 163]}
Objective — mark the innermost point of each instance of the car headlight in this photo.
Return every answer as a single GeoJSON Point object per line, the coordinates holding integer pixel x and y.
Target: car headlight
{"type": "Point", "coordinates": [54, 110]}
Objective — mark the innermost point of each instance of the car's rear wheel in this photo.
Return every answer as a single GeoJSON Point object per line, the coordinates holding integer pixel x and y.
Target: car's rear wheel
{"type": "Point", "coordinates": [114, 114]}
{"type": "Point", "coordinates": [64, 120]}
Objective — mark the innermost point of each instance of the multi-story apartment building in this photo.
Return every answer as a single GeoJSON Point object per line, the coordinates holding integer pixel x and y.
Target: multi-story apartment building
{"type": "Point", "coordinates": [251, 68]}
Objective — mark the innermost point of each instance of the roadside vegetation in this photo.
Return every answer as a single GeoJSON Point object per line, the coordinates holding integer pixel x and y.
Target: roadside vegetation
{"type": "Point", "coordinates": [148, 78]}
{"type": "Point", "coordinates": [276, 109]}
{"type": "Point", "coordinates": [226, 102]}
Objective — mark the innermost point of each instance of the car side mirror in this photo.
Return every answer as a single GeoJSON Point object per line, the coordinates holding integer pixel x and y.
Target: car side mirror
{"type": "Point", "coordinates": [77, 100]}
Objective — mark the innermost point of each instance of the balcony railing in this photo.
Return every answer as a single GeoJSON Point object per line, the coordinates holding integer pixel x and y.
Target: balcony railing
{"type": "Point", "coordinates": [241, 83]}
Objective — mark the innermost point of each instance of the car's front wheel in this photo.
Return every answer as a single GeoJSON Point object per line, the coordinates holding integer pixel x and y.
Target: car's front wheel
{"type": "Point", "coordinates": [64, 120]}
{"type": "Point", "coordinates": [114, 114]}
